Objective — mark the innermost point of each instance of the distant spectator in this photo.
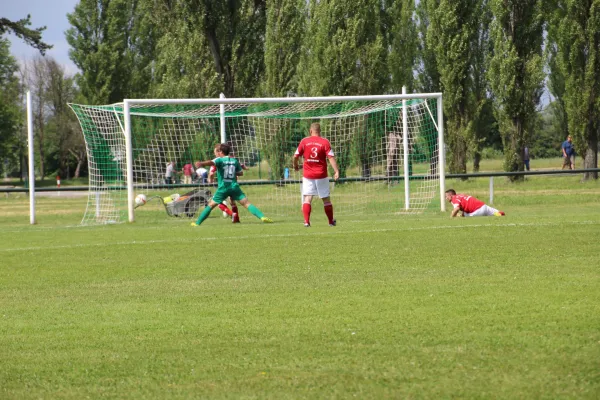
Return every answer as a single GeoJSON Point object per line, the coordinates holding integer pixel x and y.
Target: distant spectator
{"type": "Point", "coordinates": [526, 158]}
{"type": "Point", "coordinates": [170, 173]}
{"type": "Point", "coordinates": [201, 173]}
{"type": "Point", "coordinates": [568, 154]}
{"type": "Point", "coordinates": [188, 171]}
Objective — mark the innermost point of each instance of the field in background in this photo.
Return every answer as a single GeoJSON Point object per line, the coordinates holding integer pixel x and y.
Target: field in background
{"type": "Point", "coordinates": [487, 165]}
{"type": "Point", "coordinates": [415, 306]}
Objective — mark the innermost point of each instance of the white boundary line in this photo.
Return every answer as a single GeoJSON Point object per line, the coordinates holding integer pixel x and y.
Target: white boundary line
{"type": "Point", "coordinates": [287, 235]}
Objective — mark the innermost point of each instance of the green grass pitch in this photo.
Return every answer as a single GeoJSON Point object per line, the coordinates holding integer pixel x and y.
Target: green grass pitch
{"type": "Point", "coordinates": [404, 306]}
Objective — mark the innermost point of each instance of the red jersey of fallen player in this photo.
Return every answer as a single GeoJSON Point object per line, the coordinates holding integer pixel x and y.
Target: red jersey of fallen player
{"type": "Point", "coordinates": [466, 203]}
{"type": "Point", "coordinates": [315, 150]}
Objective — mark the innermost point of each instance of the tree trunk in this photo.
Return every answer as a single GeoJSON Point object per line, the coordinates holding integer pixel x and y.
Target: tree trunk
{"type": "Point", "coordinates": [21, 164]}
{"type": "Point", "coordinates": [476, 161]}
{"type": "Point", "coordinates": [78, 169]}
{"type": "Point", "coordinates": [80, 157]}
{"type": "Point", "coordinates": [41, 142]}
{"type": "Point", "coordinates": [590, 159]}
{"type": "Point", "coordinates": [514, 153]}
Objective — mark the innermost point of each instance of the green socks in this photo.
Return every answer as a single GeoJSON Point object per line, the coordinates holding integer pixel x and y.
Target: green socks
{"type": "Point", "coordinates": [255, 211]}
{"type": "Point", "coordinates": [205, 213]}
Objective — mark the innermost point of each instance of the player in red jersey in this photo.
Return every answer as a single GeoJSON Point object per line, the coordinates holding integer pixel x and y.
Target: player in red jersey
{"type": "Point", "coordinates": [316, 150]}
{"type": "Point", "coordinates": [470, 206]}
{"type": "Point", "coordinates": [233, 212]}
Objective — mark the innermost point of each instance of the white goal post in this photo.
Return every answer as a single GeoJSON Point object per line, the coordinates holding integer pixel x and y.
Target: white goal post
{"type": "Point", "coordinates": [379, 141]}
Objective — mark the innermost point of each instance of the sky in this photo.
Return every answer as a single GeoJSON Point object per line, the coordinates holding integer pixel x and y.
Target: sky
{"type": "Point", "coordinates": [49, 13]}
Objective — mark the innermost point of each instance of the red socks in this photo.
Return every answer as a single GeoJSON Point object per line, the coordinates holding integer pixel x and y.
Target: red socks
{"type": "Point", "coordinates": [329, 211]}
{"type": "Point", "coordinates": [306, 208]}
{"type": "Point", "coordinates": [236, 216]}
{"type": "Point", "coordinates": [224, 208]}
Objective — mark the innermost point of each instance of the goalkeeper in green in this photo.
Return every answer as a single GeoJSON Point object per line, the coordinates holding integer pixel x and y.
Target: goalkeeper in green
{"type": "Point", "coordinates": [228, 169]}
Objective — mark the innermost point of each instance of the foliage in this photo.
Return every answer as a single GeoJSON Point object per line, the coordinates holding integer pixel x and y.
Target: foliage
{"type": "Point", "coordinates": [283, 46]}
{"type": "Point", "coordinates": [400, 31]}
{"type": "Point", "coordinates": [235, 34]}
{"type": "Point", "coordinates": [428, 80]}
{"type": "Point", "coordinates": [111, 43]}
{"type": "Point", "coordinates": [452, 33]}
{"type": "Point", "coordinates": [516, 73]}
{"type": "Point", "coordinates": [10, 110]}
{"type": "Point", "coordinates": [182, 69]}
{"type": "Point", "coordinates": [33, 37]}
{"type": "Point", "coordinates": [577, 23]}
{"type": "Point", "coordinates": [548, 135]}
{"type": "Point", "coordinates": [343, 54]}
{"type": "Point", "coordinates": [556, 77]}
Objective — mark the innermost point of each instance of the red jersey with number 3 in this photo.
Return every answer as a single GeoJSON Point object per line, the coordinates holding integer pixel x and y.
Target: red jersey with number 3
{"type": "Point", "coordinates": [466, 203]}
{"type": "Point", "coordinates": [315, 150]}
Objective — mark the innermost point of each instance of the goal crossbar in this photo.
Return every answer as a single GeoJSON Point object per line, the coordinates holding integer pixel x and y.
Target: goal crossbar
{"type": "Point", "coordinates": [379, 137]}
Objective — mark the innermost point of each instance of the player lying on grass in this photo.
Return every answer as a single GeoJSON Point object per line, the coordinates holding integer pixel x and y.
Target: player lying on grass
{"type": "Point", "coordinates": [233, 212]}
{"type": "Point", "coordinates": [469, 206]}
{"type": "Point", "coordinates": [228, 169]}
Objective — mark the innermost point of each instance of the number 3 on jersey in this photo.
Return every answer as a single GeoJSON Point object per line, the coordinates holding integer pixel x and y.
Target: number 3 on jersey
{"type": "Point", "coordinates": [313, 152]}
{"type": "Point", "coordinates": [229, 172]}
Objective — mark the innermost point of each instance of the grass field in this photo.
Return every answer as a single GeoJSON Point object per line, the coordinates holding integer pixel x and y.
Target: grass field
{"type": "Point", "coordinates": [415, 306]}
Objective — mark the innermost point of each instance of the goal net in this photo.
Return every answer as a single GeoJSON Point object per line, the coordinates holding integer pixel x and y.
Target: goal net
{"type": "Point", "coordinates": [387, 149]}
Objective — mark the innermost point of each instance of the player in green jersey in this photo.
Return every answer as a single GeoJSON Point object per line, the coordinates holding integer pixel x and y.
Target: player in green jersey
{"type": "Point", "coordinates": [228, 169]}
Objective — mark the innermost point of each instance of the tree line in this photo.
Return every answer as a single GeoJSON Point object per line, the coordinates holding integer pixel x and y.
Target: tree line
{"type": "Point", "coordinates": [492, 59]}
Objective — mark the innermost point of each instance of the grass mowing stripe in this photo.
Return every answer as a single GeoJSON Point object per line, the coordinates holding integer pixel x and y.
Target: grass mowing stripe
{"type": "Point", "coordinates": [289, 235]}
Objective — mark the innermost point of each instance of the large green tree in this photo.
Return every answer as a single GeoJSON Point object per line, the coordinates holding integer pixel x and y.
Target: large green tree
{"type": "Point", "coordinates": [484, 123]}
{"type": "Point", "coordinates": [235, 30]}
{"type": "Point", "coordinates": [112, 44]}
{"type": "Point", "coordinates": [401, 34]}
{"type": "Point", "coordinates": [206, 47]}
{"type": "Point", "coordinates": [556, 78]}
{"type": "Point", "coordinates": [453, 30]}
{"type": "Point", "coordinates": [10, 112]}
{"type": "Point", "coordinates": [285, 26]}
{"type": "Point", "coordinates": [516, 73]}
{"type": "Point", "coordinates": [183, 67]}
{"type": "Point", "coordinates": [578, 40]}
{"type": "Point", "coordinates": [344, 52]}
{"type": "Point", "coordinates": [428, 77]}
{"type": "Point", "coordinates": [286, 21]}
{"type": "Point", "coordinates": [64, 133]}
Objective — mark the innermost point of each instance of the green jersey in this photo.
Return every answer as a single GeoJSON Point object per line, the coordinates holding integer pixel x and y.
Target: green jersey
{"type": "Point", "coordinates": [227, 169]}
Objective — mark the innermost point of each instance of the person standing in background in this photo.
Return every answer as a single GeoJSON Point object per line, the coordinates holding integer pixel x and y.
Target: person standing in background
{"type": "Point", "coordinates": [568, 153]}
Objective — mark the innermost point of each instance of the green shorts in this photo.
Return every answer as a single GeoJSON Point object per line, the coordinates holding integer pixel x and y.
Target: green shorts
{"type": "Point", "coordinates": [235, 193]}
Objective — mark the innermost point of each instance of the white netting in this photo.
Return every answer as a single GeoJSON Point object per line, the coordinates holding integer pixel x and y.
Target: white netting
{"type": "Point", "coordinates": [366, 137]}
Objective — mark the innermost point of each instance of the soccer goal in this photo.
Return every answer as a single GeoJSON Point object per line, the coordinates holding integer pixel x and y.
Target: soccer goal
{"type": "Point", "coordinates": [388, 149]}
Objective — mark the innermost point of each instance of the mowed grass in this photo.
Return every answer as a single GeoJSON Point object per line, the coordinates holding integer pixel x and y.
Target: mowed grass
{"type": "Point", "coordinates": [377, 307]}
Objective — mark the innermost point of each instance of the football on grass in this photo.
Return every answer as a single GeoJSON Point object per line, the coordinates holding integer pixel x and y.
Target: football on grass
{"type": "Point", "coordinates": [140, 199]}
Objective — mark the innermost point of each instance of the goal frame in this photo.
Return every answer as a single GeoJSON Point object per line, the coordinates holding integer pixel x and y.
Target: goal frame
{"type": "Point", "coordinates": [222, 101]}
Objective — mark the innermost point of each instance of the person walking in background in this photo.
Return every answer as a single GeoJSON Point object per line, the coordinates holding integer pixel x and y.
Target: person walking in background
{"type": "Point", "coordinates": [568, 153]}
{"type": "Point", "coordinates": [526, 157]}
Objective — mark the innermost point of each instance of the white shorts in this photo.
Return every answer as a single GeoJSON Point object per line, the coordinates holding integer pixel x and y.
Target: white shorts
{"type": "Point", "coordinates": [483, 211]}
{"type": "Point", "coordinates": [315, 187]}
